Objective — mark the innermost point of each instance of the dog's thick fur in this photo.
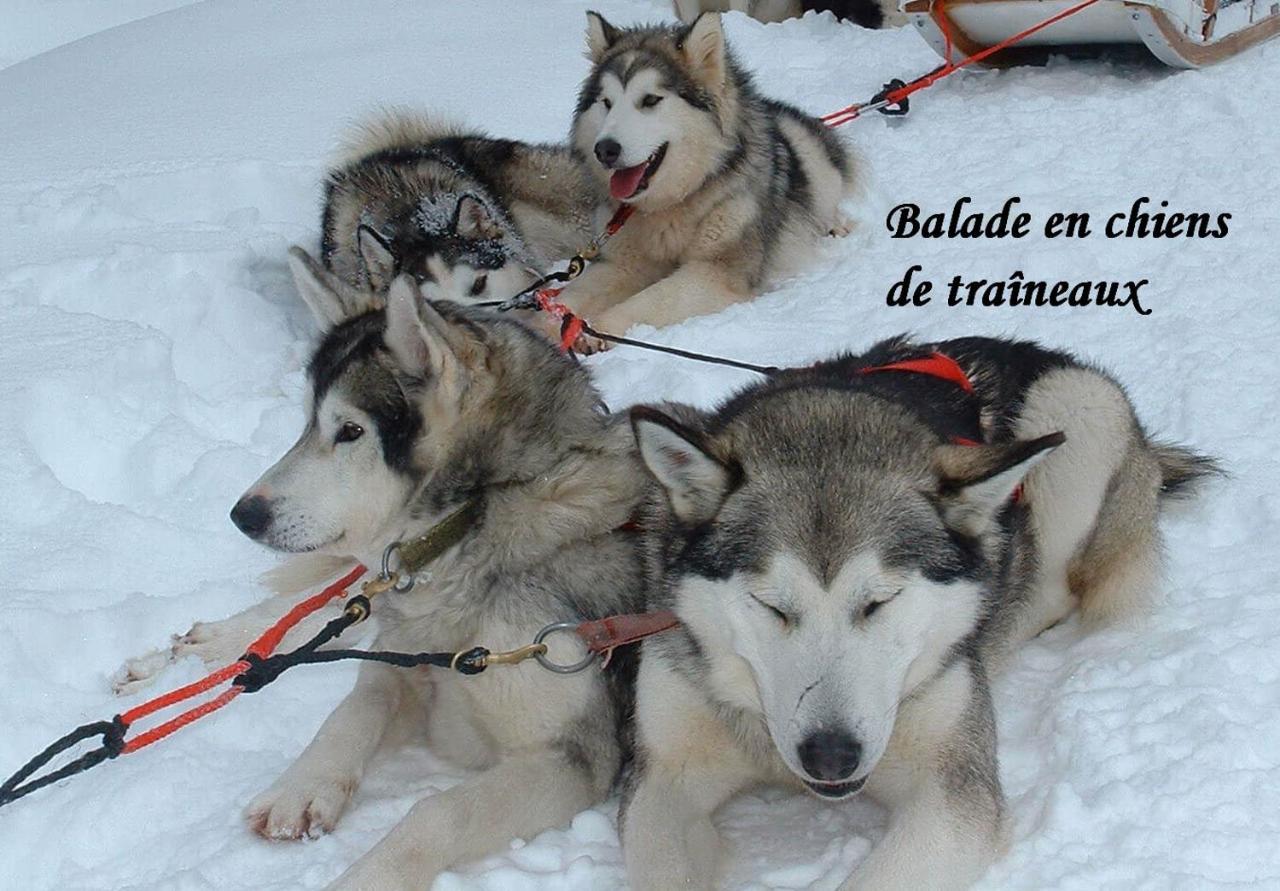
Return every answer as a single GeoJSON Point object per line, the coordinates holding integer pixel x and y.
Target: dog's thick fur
{"type": "Point", "coordinates": [735, 186]}
{"type": "Point", "coordinates": [469, 216]}
{"type": "Point", "coordinates": [414, 410]}
{"type": "Point", "coordinates": [867, 13]}
{"type": "Point", "coordinates": [848, 577]}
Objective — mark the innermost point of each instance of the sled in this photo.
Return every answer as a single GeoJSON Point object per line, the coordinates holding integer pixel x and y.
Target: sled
{"type": "Point", "coordinates": [1180, 33]}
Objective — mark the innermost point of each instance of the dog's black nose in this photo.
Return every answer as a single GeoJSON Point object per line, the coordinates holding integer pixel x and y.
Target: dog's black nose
{"type": "Point", "coordinates": [252, 515]}
{"type": "Point", "coordinates": [608, 151]}
{"type": "Point", "coordinates": [830, 755]}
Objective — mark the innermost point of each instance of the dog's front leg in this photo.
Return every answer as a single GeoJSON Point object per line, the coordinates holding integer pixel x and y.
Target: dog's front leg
{"type": "Point", "coordinates": [606, 283]}
{"type": "Point", "coordinates": [310, 796]}
{"type": "Point", "coordinates": [941, 784]}
{"type": "Point", "coordinates": [688, 763]}
{"type": "Point", "coordinates": [668, 838]}
{"type": "Point", "coordinates": [698, 288]}
{"type": "Point", "coordinates": [519, 797]}
{"type": "Point", "coordinates": [223, 641]}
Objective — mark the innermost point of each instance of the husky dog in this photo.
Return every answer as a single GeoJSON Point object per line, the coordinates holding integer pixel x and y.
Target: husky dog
{"type": "Point", "coordinates": [728, 186]}
{"type": "Point", "coordinates": [470, 217]}
{"type": "Point", "coordinates": [848, 575]}
{"type": "Point", "coordinates": [415, 410]}
{"type": "Point", "coordinates": [867, 13]}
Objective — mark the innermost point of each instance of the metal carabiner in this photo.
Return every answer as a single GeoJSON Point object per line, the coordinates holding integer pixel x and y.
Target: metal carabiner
{"type": "Point", "coordinates": [401, 583]}
{"type": "Point", "coordinates": [546, 662]}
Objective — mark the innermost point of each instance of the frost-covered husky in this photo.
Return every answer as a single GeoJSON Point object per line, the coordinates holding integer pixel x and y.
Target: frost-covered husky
{"type": "Point", "coordinates": [850, 565]}
{"type": "Point", "coordinates": [415, 410]}
{"type": "Point", "coordinates": [729, 187]}
{"type": "Point", "coordinates": [470, 217]}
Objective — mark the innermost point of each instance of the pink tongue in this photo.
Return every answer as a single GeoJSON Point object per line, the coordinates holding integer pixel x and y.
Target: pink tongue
{"type": "Point", "coordinates": [623, 183]}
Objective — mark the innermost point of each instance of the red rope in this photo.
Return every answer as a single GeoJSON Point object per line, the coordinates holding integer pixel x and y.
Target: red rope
{"type": "Point", "coordinates": [894, 97]}
{"type": "Point", "coordinates": [262, 647]}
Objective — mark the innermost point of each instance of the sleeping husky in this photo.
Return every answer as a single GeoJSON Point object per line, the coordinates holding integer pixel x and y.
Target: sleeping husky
{"type": "Point", "coordinates": [470, 217]}
{"type": "Point", "coordinates": [853, 549]}
{"type": "Point", "coordinates": [415, 410]}
{"type": "Point", "coordinates": [729, 187]}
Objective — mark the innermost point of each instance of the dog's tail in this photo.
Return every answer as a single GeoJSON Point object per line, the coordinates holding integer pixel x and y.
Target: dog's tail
{"type": "Point", "coordinates": [1182, 470]}
{"type": "Point", "coordinates": [1119, 572]}
{"type": "Point", "coordinates": [395, 128]}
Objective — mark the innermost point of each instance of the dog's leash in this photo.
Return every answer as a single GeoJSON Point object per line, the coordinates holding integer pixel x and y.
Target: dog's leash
{"type": "Point", "coordinates": [261, 666]}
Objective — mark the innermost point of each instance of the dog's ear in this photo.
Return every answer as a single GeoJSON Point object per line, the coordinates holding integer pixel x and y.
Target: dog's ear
{"type": "Point", "coordinates": [600, 36]}
{"type": "Point", "coordinates": [974, 482]}
{"type": "Point", "coordinates": [422, 341]}
{"type": "Point", "coordinates": [404, 336]}
{"type": "Point", "coordinates": [379, 260]}
{"type": "Point", "coordinates": [473, 220]}
{"type": "Point", "coordinates": [679, 458]}
{"type": "Point", "coordinates": [703, 48]}
{"type": "Point", "coordinates": [330, 299]}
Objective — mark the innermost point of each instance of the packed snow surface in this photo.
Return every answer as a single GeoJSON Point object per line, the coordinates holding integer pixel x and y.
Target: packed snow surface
{"type": "Point", "coordinates": [153, 176]}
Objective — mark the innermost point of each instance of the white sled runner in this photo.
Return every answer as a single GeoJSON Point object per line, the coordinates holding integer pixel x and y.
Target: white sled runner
{"type": "Point", "coordinates": [1181, 33]}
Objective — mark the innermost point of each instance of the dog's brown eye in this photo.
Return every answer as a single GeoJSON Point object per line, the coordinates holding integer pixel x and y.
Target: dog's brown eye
{"type": "Point", "coordinates": [650, 100]}
{"type": "Point", "coordinates": [348, 432]}
{"type": "Point", "coordinates": [478, 286]}
{"type": "Point", "coordinates": [607, 104]}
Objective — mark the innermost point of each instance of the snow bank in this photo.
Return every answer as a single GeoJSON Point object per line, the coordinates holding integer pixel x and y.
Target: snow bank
{"type": "Point", "coordinates": [152, 349]}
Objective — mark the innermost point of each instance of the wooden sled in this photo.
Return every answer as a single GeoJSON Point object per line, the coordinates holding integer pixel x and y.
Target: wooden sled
{"type": "Point", "coordinates": [1180, 33]}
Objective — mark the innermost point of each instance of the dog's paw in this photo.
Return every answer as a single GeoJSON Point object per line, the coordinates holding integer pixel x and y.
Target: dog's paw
{"type": "Point", "coordinates": [138, 673]}
{"type": "Point", "coordinates": [213, 643]}
{"type": "Point", "coordinates": [842, 227]}
{"type": "Point", "coordinates": [295, 808]}
{"type": "Point", "coordinates": [585, 345]}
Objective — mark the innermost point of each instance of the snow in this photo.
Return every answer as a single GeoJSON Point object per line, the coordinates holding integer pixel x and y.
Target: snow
{"type": "Point", "coordinates": [152, 350]}
{"type": "Point", "coordinates": [31, 27]}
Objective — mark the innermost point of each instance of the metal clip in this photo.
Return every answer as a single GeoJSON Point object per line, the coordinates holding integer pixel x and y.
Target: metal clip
{"type": "Point", "coordinates": [380, 584]}
{"type": "Point", "coordinates": [515, 657]}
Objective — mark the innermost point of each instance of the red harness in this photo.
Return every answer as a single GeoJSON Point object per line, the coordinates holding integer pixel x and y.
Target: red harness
{"type": "Point", "coordinates": [945, 368]}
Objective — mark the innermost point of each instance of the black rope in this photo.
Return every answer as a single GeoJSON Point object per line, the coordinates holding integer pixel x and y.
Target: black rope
{"type": "Point", "coordinates": [112, 733]}
{"type": "Point", "coordinates": [683, 354]}
{"type": "Point", "coordinates": [263, 671]}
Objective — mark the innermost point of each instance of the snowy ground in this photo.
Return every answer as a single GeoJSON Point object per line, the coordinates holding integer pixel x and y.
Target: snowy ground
{"type": "Point", "coordinates": [153, 176]}
{"type": "Point", "coordinates": [29, 27]}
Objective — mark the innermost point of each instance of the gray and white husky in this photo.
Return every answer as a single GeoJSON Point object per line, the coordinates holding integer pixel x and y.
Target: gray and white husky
{"type": "Point", "coordinates": [729, 187]}
{"type": "Point", "coordinates": [850, 565]}
{"type": "Point", "coordinates": [470, 217]}
{"type": "Point", "coordinates": [416, 409]}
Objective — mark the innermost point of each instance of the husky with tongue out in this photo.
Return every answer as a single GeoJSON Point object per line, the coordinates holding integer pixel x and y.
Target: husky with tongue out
{"type": "Point", "coordinates": [729, 187]}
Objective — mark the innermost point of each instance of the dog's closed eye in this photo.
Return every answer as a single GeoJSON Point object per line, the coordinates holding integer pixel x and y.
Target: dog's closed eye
{"type": "Point", "coordinates": [650, 100]}
{"type": "Point", "coordinates": [874, 606]}
{"type": "Point", "coordinates": [786, 620]}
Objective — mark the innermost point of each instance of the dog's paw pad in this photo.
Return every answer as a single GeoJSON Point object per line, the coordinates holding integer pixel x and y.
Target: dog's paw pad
{"type": "Point", "coordinates": [841, 228]}
{"type": "Point", "coordinates": [214, 643]}
{"type": "Point", "coordinates": [139, 673]}
{"type": "Point", "coordinates": [286, 812]}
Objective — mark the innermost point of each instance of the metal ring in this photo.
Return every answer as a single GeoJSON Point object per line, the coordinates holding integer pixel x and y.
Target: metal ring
{"type": "Point", "coordinates": [405, 582]}
{"type": "Point", "coordinates": [546, 663]}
